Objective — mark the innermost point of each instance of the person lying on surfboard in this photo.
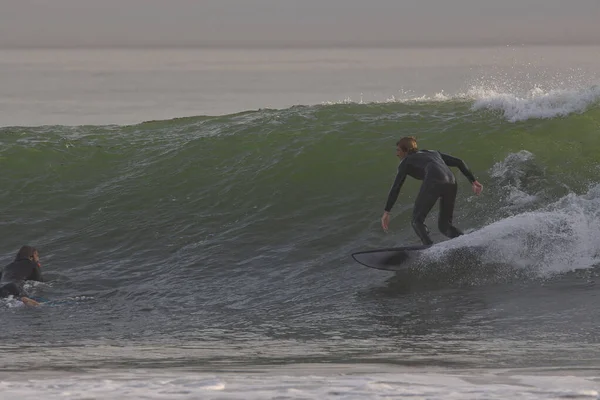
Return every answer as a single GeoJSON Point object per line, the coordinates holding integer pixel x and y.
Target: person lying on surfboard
{"type": "Point", "coordinates": [431, 167]}
{"type": "Point", "coordinates": [26, 267]}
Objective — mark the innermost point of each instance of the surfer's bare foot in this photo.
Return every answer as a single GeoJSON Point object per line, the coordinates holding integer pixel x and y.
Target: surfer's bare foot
{"type": "Point", "coordinates": [29, 302]}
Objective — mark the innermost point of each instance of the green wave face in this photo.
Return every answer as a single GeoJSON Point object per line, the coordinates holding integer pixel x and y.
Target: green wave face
{"type": "Point", "coordinates": [293, 184]}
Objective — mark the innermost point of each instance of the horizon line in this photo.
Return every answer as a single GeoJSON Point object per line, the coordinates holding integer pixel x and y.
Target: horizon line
{"type": "Point", "coordinates": [299, 45]}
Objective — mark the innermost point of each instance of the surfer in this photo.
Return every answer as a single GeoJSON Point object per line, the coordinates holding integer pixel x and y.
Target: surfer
{"type": "Point", "coordinates": [25, 267]}
{"type": "Point", "coordinates": [431, 167]}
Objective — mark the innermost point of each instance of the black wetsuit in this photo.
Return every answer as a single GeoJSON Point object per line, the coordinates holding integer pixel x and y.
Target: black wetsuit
{"type": "Point", "coordinates": [438, 183]}
{"type": "Point", "coordinates": [15, 274]}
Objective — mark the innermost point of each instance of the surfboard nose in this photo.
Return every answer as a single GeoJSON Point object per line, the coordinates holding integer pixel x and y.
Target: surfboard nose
{"type": "Point", "coordinates": [387, 259]}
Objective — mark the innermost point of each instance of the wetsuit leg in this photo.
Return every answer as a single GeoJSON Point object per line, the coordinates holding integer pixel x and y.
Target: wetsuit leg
{"type": "Point", "coordinates": [425, 201]}
{"type": "Point", "coordinates": [10, 289]}
{"type": "Point", "coordinates": [447, 201]}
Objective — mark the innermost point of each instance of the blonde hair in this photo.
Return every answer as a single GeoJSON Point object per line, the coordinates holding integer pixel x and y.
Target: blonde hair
{"type": "Point", "coordinates": [407, 144]}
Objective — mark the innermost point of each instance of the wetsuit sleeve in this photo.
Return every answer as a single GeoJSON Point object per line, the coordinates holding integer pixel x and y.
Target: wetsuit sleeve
{"type": "Point", "coordinates": [460, 164]}
{"type": "Point", "coordinates": [36, 275]}
{"type": "Point", "coordinates": [395, 190]}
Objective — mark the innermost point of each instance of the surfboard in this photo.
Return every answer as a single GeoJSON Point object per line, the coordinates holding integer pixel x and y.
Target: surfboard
{"type": "Point", "coordinates": [389, 259]}
{"type": "Point", "coordinates": [47, 302]}
{"type": "Point", "coordinates": [401, 258]}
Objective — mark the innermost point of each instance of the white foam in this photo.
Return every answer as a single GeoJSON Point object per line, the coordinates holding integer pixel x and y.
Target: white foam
{"type": "Point", "coordinates": [507, 166]}
{"type": "Point", "coordinates": [295, 383]}
{"type": "Point", "coordinates": [403, 97]}
{"type": "Point", "coordinates": [537, 103]}
{"type": "Point", "coordinates": [560, 237]}
{"type": "Point", "coordinates": [11, 302]}
{"type": "Point", "coordinates": [509, 173]}
{"type": "Point", "coordinates": [519, 198]}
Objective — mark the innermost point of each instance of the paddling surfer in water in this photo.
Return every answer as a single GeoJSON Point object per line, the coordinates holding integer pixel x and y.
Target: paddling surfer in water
{"type": "Point", "coordinates": [25, 267]}
{"type": "Point", "coordinates": [431, 167]}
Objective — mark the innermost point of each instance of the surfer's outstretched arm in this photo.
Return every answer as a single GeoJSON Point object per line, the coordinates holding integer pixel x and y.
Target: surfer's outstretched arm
{"type": "Point", "coordinates": [395, 189]}
{"type": "Point", "coordinates": [393, 194]}
{"type": "Point", "coordinates": [462, 166]}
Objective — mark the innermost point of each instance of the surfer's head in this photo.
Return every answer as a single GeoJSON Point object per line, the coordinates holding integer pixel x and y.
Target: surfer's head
{"type": "Point", "coordinates": [28, 252]}
{"type": "Point", "coordinates": [406, 145]}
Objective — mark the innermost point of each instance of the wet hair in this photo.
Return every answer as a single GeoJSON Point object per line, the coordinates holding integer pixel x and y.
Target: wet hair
{"type": "Point", "coordinates": [408, 144]}
{"type": "Point", "coordinates": [26, 252]}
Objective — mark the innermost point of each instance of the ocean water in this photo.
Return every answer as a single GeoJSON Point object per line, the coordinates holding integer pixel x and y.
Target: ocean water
{"type": "Point", "coordinates": [195, 212]}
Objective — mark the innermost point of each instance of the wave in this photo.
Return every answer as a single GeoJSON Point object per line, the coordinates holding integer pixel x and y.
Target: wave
{"type": "Point", "coordinates": [285, 186]}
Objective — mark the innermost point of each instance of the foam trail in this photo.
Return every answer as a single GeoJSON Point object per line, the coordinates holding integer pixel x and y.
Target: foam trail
{"type": "Point", "coordinates": [558, 238]}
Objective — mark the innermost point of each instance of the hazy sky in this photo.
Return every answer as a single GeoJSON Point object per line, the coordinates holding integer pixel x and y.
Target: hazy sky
{"type": "Point", "coordinates": [70, 23]}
